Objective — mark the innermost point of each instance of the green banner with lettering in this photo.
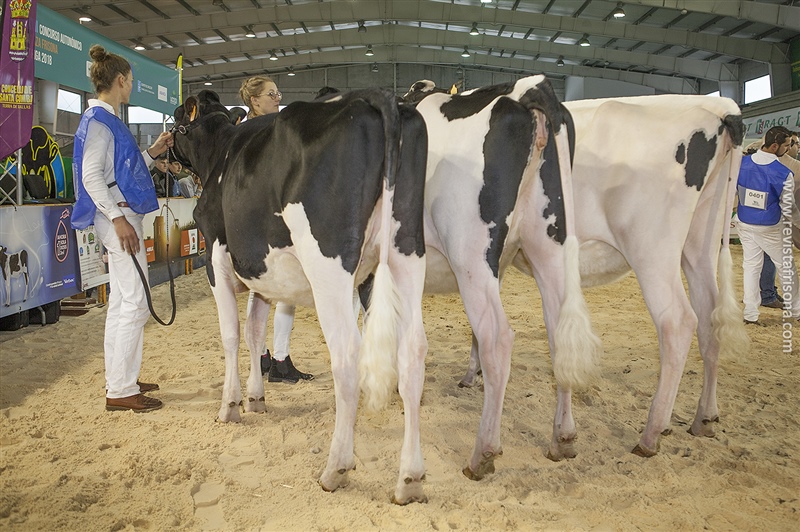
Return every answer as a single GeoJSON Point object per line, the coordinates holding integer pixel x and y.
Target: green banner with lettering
{"type": "Point", "coordinates": [62, 55]}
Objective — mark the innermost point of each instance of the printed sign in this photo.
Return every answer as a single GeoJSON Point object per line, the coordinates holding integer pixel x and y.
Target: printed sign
{"type": "Point", "coordinates": [90, 257]}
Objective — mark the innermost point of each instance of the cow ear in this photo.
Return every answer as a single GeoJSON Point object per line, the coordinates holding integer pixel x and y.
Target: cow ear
{"type": "Point", "coordinates": [190, 107]}
{"type": "Point", "coordinates": [237, 115]}
{"type": "Point", "coordinates": [208, 96]}
{"type": "Point", "coordinates": [454, 89]}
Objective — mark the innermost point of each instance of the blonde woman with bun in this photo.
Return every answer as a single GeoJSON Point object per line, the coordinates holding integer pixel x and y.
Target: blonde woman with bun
{"type": "Point", "coordinates": [113, 191]}
{"type": "Point", "coordinates": [261, 95]}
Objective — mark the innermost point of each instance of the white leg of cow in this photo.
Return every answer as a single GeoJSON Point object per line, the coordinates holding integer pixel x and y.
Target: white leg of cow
{"type": "Point", "coordinates": [468, 380]}
{"type": "Point", "coordinates": [254, 332]}
{"type": "Point", "coordinates": [549, 275]}
{"type": "Point", "coordinates": [675, 323]}
{"type": "Point", "coordinates": [228, 312]}
{"type": "Point", "coordinates": [495, 339]}
{"type": "Point", "coordinates": [409, 275]}
{"type": "Point", "coordinates": [343, 338]}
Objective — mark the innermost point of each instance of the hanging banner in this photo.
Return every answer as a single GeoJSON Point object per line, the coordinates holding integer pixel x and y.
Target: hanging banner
{"type": "Point", "coordinates": [16, 74]}
{"type": "Point", "coordinates": [794, 57]}
{"type": "Point", "coordinates": [62, 55]}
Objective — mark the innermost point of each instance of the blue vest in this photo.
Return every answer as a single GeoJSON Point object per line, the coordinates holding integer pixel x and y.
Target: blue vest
{"type": "Point", "coordinates": [130, 171]}
{"type": "Point", "coordinates": [760, 188]}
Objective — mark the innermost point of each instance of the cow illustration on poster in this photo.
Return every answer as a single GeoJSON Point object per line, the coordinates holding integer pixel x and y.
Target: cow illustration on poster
{"type": "Point", "coordinates": [42, 156]}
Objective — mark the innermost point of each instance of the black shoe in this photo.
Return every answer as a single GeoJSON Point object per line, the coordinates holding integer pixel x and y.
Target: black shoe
{"type": "Point", "coordinates": [284, 371]}
{"type": "Point", "coordinates": [773, 304]}
{"type": "Point", "coordinates": [266, 362]}
{"type": "Point", "coordinates": [780, 299]}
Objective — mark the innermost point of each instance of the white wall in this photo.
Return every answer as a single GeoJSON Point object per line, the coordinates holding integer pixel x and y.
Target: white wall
{"type": "Point", "coordinates": [584, 88]}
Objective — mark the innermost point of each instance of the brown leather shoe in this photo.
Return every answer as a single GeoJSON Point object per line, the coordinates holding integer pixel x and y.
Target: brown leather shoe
{"type": "Point", "coordinates": [137, 403]}
{"type": "Point", "coordinates": [145, 387]}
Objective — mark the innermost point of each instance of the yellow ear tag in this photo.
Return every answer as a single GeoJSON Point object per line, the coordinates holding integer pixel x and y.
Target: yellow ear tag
{"type": "Point", "coordinates": [454, 89]}
{"type": "Point", "coordinates": [193, 114]}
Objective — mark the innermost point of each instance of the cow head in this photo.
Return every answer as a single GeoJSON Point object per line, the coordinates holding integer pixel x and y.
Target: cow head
{"type": "Point", "coordinates": [200, 131]}
{"type": "Point", "coordinates": [420, 90]}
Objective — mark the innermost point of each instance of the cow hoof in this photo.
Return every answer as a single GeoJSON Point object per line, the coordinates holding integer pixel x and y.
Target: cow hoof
{"type": "Point", "coordinates": [644, 452]}
{"type": "Point", "coordinates": [408, 490]}
{"type": "Point", "coordinates": [229, 414]}
{"type": "Point", "coordinates": [703, 428]}
{"type": "Point", "coordinates": [255, 405]}
{"type": "Point", "coordinates": [334, 479]}
{"type": "Point", "coordinates": [485, 466]}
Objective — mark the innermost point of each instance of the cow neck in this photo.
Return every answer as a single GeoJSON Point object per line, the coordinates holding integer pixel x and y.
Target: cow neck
{"type": "Point", "coordinates": [213, 158]}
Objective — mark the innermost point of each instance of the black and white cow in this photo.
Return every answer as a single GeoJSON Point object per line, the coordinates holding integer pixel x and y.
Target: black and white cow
{"type": "Point", "coordinates": [497, 186]}
{"type": "Point", "coordinates": [654, 180]}
{"type": "Point", "coordinates": [14, 265]}
{"type": "Point", "coordinates": [301, 206]}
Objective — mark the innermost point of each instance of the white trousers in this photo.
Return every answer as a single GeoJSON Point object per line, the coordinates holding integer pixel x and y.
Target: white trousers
{"type": "Point", "coordinates": [281, 327]}
{"type": "Point", "coordinates": [757, 240]}
{"type": "Point", "coordinates": [127, 309]}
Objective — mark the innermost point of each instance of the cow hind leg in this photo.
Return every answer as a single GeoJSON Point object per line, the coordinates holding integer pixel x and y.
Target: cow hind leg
{"type": "Point", "coordinates": [254, 331]}
{"type": "Point", "coordinates": [409, 275]}
{"type": "Point", "coordinates": [228, 312]}
{"type": "Point", "coordinates": [675, 324]}
{"type": "Point", "coordinates": [474, 369]}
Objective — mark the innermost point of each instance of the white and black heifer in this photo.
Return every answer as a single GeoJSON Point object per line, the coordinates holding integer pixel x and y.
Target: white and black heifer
{"type": "Point", "coordinates": [14, 265]}
{"type": "Point", "coordinates": [497, 186]}
{"type": "Point", "coordinates": [654, 180]}
{"type": "Point", "coordinates": [301, 206]}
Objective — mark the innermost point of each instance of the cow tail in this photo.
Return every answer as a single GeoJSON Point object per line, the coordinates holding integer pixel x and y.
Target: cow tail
{"type": "Point", "coordinates": [577, 353]}
{"type": "Point", "coordinates": [726, 319]}
{"type": "Point", "coordinates": [377, 365]}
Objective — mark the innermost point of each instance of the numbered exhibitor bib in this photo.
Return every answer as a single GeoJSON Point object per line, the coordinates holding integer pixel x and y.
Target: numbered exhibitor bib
{"type": "Point", "coordinates": [753, 198]}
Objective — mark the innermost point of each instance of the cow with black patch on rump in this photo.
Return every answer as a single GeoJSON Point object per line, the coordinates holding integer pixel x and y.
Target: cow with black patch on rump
{"type": "Point", "coordinates": [301, 206]}
{"type": "Point", "coordinates": [497, 186]}
{"type": "Point", "coordinates": [14, 265]}
{"type": "Point", "coordinates": [654, 180]}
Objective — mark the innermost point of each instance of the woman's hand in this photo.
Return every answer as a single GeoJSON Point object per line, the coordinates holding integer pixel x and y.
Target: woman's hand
{"type": "Point", "coordinates": [162, 144]}
{"type": "Point", "coordinates": [128, 238]}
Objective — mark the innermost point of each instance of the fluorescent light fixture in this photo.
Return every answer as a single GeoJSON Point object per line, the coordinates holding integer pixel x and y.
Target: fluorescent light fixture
{"type": "Point", "coordinates": [138, 47]}
{"type": "Point", "coordinates": [250, 33]}
{"type": "Point", "coordinates": [272, 56]}
{"type": "Point", "coordinates": [207, 83]}
{"type": "Point", "coordinates": [584, 42]}
{"type": "Point", "coordinates": [618, 12]}
{"type": "Point", "coordinates": [474, 31]}
{"type": "Point", "coordinates": [85, 18]}
{"type": "Point", "coordinates": [465, 53]}
{"type": "Point", "coordinates": [369, 52]}
{"type": "Point", "coordinates": [486, 1]}
{"type": "Point", "coordinates": [291, 72]}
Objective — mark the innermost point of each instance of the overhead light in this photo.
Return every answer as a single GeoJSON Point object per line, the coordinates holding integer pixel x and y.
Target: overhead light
{"type": "Point", "coordinates": [684, 11]}
{"type": "Point", "coordinates": [465, 53]}
{"type": "Point", "coordinates": [138, 47]}
{"type": "Point", "coordinates": [374, 67]}
{"type": "Point", "coordinates": [486, 1]}
{"type": "Point", "coordinates": [618, 12]}
{"type": "Point", "coordinates": [369, 51]}
{"type": "Point", "coordinates": [584, 42]}
{"type": "Point", "coordinates": [207, 83]}
{"type": "Point", "coordinates": [361, 27]}
{"type": "Point", "coordinates": [85, 18]}
{"type": "Point", "coordinates": [217, 3]}
{"type": "Point", "coordinates": [272, 56]}
{"type": "Point", "coordinates": [291, 72]}
{"type": "Point", "coordinates": [250, 33]}
{"type": "Point", "coordinates": [474, 30]}
{"type": "Point", "coordinates": [560, 62]}
{"type": "Point", "coordinates": [459, 72]}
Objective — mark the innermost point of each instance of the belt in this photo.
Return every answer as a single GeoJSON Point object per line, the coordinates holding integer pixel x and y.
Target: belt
{"type": "Point", "coordinates": [122, 204]}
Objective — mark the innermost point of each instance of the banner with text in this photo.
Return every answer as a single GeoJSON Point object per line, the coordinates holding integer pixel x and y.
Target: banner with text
{"type": "Point", "coordinates": [16, 74]}
{"type": "Point", "coordinates": [62, 55]}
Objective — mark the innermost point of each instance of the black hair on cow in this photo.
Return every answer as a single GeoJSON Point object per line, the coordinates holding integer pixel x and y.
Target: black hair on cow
{"type": "Point", "coordinates": [237, 115]}
{"type": "Point", "coordinates": [326, 91]}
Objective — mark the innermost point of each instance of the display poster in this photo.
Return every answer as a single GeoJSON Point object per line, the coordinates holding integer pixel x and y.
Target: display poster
{"type": "Point", "coordinates": [90, 257]}
{"type": "Point", "coordinates": [16, 74]}
{"type": "Point", "coordinates": [62, 55]}
{"type": "Point", "coordinates": [38, 255]}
